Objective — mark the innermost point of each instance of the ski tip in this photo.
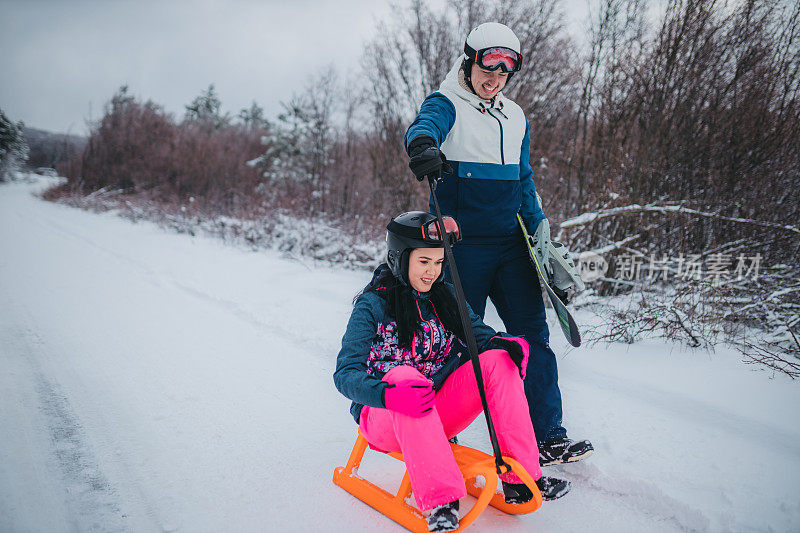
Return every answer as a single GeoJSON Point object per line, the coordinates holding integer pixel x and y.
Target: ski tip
{"type": "Point", "coordinates": [575, 334]}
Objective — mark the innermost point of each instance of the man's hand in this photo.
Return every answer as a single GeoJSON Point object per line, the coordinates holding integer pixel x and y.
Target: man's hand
{"type": "Point", "coordinates": [426, 158]}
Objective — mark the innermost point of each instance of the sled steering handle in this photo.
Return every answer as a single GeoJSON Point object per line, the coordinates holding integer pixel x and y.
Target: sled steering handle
{"type": "Point", "coordinates": [469, 334]}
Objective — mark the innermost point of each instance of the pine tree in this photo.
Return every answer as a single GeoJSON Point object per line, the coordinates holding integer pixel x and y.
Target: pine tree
{"type": "Point", "coordinates": [253, 117]}
{"type": "Point", "coordinates": [13, 148]}
{"type": "Point", "coordinates": [206, 109]}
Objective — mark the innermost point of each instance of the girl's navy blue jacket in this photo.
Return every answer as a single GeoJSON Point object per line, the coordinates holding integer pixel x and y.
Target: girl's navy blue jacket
{"type": "Point", "coordinates": [369, 348]}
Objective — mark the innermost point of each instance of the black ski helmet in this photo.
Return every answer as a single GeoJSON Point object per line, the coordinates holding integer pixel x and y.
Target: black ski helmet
{"type": "Point", "coordinates": [414, 229]}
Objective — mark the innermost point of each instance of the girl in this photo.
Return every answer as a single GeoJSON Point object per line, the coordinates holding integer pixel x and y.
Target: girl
{"type": "Point", "coordinates": [402, 365]}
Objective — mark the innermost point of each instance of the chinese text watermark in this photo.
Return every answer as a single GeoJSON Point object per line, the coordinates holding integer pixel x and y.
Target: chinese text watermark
{"type": "Point", "coordinates": [715, 268]}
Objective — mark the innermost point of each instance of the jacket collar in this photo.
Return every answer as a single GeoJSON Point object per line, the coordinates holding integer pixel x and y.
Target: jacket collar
{"type": "Point", "coordinates": [424, 296]}
{"type": "Point", "coordinates": [451, 85]}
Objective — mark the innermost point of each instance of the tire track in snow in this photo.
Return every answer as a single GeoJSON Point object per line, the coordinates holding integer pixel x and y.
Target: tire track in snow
{"type": "Point", "coordinates": [90, 495]}
{"type": "Point", "coordinates": [91, 498]}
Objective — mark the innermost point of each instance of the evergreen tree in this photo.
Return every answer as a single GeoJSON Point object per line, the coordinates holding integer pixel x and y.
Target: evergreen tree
{"type": "Point", "coordinates": [206, 109]}
{"type": "Point", "coordinates": [13, 148]}
{"type": "Point", "coordinates": [253, 117]}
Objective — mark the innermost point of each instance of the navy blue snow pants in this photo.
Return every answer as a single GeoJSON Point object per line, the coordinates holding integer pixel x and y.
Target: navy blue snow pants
{"type": "Point", "coordinates": [503, 271]}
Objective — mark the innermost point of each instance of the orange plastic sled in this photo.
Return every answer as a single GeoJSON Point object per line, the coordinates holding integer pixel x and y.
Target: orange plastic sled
{"type": "Point", "coordinates": [473, 463]}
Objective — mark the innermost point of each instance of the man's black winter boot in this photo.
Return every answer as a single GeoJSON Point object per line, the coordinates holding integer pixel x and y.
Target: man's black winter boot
{"type": "Point", "coordinates": [564, 450]}
{"type": "Point", "coordinates": [552, 488]}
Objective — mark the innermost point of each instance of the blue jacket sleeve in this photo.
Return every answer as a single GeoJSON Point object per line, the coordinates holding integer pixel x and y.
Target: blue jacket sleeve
{"type": "Point", "coordinates": [350, 376]}
{"type": "Point", "coordinates": [530, 210]}
{"type": "Point", "coordinates": [435, 119]}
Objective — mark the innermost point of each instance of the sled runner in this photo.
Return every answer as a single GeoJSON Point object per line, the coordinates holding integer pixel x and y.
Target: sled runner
{"type": "Point", "coordinates": [472, 463]}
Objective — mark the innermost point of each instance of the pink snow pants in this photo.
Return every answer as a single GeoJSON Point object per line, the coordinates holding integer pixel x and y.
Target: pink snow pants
{"type": "Point", "coordinates": [432, 469]}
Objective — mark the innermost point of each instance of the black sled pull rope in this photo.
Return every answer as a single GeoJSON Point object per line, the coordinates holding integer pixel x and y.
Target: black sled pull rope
{"type": "Point", "coordinates": [472, 345]}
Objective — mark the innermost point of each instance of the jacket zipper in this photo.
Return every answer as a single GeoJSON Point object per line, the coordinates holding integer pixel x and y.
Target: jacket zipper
{"type": "Point", "coordinates": [502, 154]}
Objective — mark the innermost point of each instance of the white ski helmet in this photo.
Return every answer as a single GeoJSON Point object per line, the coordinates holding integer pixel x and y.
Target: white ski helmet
{"type": "Point", "coordinates": [489, 35]}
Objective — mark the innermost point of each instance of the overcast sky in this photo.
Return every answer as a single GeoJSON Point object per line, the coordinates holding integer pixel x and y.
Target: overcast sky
{"type": "Point", "coordinates": [62, 60]}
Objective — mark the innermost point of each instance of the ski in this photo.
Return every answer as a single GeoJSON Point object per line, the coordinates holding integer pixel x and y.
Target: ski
{"type": "Point", "coordinates": [565, 319]}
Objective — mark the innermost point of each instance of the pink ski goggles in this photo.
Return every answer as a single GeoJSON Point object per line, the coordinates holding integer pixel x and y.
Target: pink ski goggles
{"type": "Point", "coordinates": [499, 57]}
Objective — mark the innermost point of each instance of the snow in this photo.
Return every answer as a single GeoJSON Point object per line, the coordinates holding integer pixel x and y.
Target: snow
{"type": "Point", "coordinates": [154, 381]}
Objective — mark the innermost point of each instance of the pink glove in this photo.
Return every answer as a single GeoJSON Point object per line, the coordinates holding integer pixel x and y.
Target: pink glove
{"type": "Point", "coordinates": [412, 397]}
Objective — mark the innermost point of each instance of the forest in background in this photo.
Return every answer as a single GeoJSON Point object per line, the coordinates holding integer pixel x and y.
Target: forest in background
{"type": "Point", "coordinates": [657, 140]}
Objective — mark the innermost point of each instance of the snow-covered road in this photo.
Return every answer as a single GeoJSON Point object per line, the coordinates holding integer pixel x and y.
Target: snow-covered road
{"type": "Point", "coordinates": [159, 382]}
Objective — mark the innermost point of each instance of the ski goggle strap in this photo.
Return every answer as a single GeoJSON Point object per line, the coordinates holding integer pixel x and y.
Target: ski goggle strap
{"type": "Point", "coordinates": [431, 233]}
{"type": "Point", "coordinates": [428, 233]}
{"type": "Point", "coordinates": [499, 57]}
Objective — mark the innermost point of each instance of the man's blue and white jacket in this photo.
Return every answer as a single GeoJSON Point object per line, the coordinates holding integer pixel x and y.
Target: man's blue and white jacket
{"type": "Point", "coordinates": [488, 145]}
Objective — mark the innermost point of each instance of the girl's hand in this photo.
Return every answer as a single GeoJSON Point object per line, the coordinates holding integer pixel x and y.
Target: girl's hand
{"type": "Point", "coordinates": [412, 397]}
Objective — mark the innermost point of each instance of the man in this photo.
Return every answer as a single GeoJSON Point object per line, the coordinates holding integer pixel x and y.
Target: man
{"type": "Point", "coordinates": [486, 181]}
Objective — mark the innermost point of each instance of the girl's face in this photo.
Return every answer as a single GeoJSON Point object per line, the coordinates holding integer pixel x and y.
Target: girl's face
{"type": "Point", "coordinates": [424, 267]}
{"type": "Point", "coordinates": [487, 83]}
